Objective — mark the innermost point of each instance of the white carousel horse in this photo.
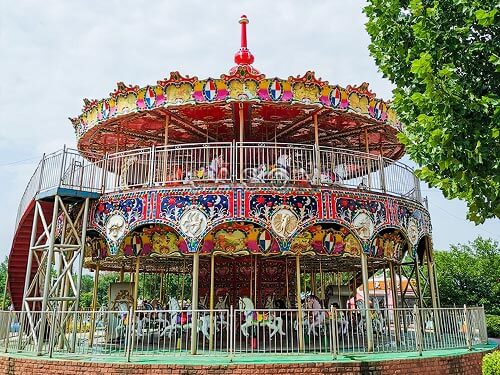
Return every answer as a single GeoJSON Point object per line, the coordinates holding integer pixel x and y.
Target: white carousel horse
{"type": "Point", "coordinates": [253, 318]}
{"type": "Point", "coordinates": [182, 320]}
{"type": "Point", "coordinates": [123, 319]}
{"type": "Point", "coordinates": [216, 169]}
{"type": "Point", "coordinates": [220, 318]}
{"type": "Point", "coordinates": [313, 318]}
{"type": "Point", "coordinates": [257, 175]}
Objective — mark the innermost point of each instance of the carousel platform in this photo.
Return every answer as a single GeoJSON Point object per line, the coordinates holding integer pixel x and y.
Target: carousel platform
{"type": "Point", "coordinates": [453, 361]}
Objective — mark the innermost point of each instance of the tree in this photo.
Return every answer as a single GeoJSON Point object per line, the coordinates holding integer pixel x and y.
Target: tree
{"type": "Point", "coordinates": [470, 275]}
{"type": "Point", "coordinates": [443, 57]}
{"type": "Point", "coordinates": [3, 280]}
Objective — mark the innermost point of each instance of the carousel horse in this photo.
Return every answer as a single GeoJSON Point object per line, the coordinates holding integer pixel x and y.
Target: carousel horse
{"type": "Point", "coordinates": [220, 317]}
{"type": "Point", "coordinates": [253, 318]}
{"type": "Point", "coordinates": [342, 321]}
{"type": "Point", "coordinates": [182, 320]}
{"type": "Point", "coordinates": [281, 172]}
{"type": "Point", "coordinates": [314, 316]}
{"type": "Point", "coordinates": [375, 314]}
{"type": "Point", "coordinates": [123, 318]}
{"type": "Point", "coordinates": [257, 175]}
{"type": "Point", "coordinates": [377, 317]}
{"type": "Point", "coordinates": [216, 169]}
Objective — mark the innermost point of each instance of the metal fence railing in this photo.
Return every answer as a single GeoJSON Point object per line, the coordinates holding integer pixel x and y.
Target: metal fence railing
{"type": "Point", "coordinates": [232, 332]}
{"type": "Point", "coordinates": [277, 164]}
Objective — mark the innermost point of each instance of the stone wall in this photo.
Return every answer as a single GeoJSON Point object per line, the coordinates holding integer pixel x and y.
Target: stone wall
{"type": "Point", "coordinates": [469, 364]}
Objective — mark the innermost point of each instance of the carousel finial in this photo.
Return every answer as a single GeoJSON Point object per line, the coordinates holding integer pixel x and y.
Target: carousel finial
{"type": "Point", "coordinates": [243, 56]}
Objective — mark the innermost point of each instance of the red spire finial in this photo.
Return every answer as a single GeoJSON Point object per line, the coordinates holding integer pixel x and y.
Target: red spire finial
{"type": "Point", "coordinates": [243, 56]}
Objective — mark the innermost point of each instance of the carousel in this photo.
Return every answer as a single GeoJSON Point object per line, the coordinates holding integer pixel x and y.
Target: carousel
{"type": "Point", "coordinates": [239, 214]}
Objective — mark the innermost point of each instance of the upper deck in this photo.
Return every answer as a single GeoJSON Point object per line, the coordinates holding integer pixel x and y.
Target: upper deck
{"type": "Point", "coordinates": [221, 164]}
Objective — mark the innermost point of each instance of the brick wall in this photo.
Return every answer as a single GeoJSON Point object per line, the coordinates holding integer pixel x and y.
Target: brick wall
{"type": "Point", "coordinates": [469, 364]}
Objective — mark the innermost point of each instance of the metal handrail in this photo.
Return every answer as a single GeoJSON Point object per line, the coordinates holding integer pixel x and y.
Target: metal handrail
{"type": "Point", "coordinates": [252, 163]}
{"type": "Point", "coordinates": [235, 331]}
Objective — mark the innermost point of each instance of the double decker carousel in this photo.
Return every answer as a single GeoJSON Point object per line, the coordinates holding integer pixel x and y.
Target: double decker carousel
{"type": "Point", "coordinates": [274, 205]}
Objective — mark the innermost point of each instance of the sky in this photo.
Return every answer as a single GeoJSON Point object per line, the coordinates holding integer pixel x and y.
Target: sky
{"type": "Point", "coordinates": [55, 53]}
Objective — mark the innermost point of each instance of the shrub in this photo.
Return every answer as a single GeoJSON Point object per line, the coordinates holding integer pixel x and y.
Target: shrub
{"type": "Point", "coordinates": [491, 363]}
{"type": "Point", "coordinates": [493, 325]}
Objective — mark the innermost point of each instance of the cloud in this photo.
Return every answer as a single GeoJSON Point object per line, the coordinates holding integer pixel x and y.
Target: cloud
{"type": "Point", "coordinates": [55, 53]}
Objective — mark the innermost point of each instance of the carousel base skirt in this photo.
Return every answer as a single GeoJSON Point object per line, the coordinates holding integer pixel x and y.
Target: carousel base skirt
{"type": "Point", "coordinates": [449, 361]}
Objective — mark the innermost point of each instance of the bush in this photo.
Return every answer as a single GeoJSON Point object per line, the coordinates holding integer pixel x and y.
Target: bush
{"type": "Point", "coordinates": [493, 325]}
{"type": "Point", "coordinates": [491, 363]}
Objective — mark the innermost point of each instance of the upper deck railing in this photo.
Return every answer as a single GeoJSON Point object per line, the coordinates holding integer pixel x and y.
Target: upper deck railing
{"type": "Point", "coordinates": [253, 164]}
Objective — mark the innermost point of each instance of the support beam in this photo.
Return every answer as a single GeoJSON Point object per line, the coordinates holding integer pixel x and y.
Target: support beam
{"type": "Point", "coordinates": [194, 303]}
{"type": "Point", "coordinates": [212, 301]}
{"type": "Point", "coordinates": [136, 281]}
{"type": "Point", "coordinates": [394, 295]}
{"type": "Point", "coordinates": [48, 269]}
{"type": "Point", "coordinates": [94, 305]}
{"type": "Point", "coordinates": [300, 318]}
{"type": "Point", "coordinates": [368, 317]}
{"type": "Point", "coordinates": [242, 125]}
{"type": "Point", "coordinates": [167, 122]}
{"type": "Point", "coordinates": [316, 149]}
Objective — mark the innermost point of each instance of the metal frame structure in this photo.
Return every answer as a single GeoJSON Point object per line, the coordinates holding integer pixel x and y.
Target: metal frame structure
{"type": "Point", "coordinates": [57, 258]}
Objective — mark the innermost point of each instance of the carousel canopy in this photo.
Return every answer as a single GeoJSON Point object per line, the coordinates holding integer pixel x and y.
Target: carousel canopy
{"type": "Point", "coordinates": [183, 109]}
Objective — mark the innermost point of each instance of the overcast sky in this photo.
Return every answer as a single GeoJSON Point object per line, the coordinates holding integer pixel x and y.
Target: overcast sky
{"type": "Point", "coordinates": [55, 53]}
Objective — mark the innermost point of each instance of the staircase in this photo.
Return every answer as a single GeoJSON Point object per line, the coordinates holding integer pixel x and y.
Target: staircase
{"type": "Point", "coordinates": [18, 258]}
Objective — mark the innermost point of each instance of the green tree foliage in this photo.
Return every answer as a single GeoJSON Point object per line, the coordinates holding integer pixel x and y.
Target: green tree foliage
{"type": "Point", "coordinates": [443, 57]}
{"type": "Point", "coordinates": [491, 363]}
{"type": "Point", "coordinates": [470, 274]}
{"type": "Point", "coordinates": [149, 287]}
{"type": "Point", "coordinates": [3, 280]}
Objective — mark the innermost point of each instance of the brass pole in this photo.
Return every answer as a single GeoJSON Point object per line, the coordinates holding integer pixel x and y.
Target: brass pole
{"type": "Point", "coordinates": [242, 123]}
{"type": "Point", "coordinates": [367, 147]}
{"type": "Point", "coordinates": [321, 281]}
{"type": "Point", "coordinates": [316, 146]}
{"type": "Point", "coordinates": [165, 143]}
{"type": "Point", "coordinates": [251, 277]}
{"type": "Point", "coordinates": [299, 304]}
{"type": "Point", "coordinates": [167, 122]}
{"type": "Point", "coordinates": [212, 301]}
{"type": "Point", "coordinates": [313, 282]}
{"type": "Point", "coordinates": [255, 283]}
{"type": "Point", "coordinates": [162, 287]}
{"type": "Point", "coordinates": [287, 287]}
{"type": "Point", "coordinates": [338, 288]}
{"type": "Point", "coordinates": [182, 284]}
